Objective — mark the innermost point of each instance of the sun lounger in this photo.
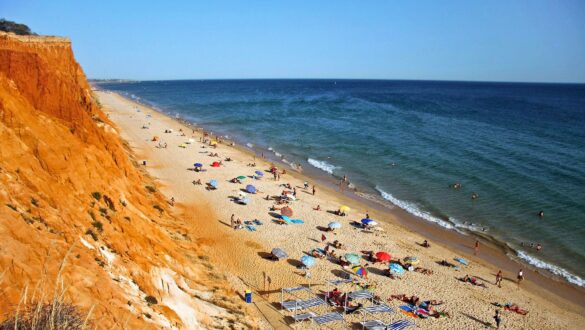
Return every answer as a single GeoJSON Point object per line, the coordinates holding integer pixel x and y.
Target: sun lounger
{"type": "Point", "coordinates": [373, 325]}
{"type": "Point", "coordinates": [291, 305]}
{"type": "Point", "coordinates": [331, 317]}
{"type": "Point", "coordinates": [304, 317]}
{"type": "Point", "coordinates": [399, 325]}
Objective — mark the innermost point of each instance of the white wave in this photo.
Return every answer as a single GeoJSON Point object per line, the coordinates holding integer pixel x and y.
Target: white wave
{"type": "Point", "coordinates": [322, 165]}
{"type": "Point", "coordinates": [277, 154]}
{"type": "Point", "coordinates": [249, 145]}
{"type": "Point", "coordinates": [572, 278]}
{"type": "Point", "coordinates": [270, 149]}
{"type": "Point", "coordinates": [413, 209]}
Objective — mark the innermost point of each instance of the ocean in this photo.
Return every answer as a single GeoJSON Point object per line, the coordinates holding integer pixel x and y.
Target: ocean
{"type": "Point", "coordinates": [520, 147]}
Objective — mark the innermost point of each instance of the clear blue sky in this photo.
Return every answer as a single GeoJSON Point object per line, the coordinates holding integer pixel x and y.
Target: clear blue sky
{"type": "Point", "coordinates": [508, 40]}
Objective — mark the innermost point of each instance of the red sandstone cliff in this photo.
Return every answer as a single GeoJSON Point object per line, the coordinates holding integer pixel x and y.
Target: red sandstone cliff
{"type": "Point", "coordinates": [71, 196]}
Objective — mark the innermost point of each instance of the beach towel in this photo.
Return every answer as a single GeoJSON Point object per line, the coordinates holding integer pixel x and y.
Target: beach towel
{"type": "Point", "coordinates": [285, 219]}
{"type": "Point", "coordinates": [414, 311]}
{"type": "Point", "coordinates": [461, 261]}
{"type": "Point", "coordinates": [258, 222]}
{"type": "Point", "coordinates": [297, 221]}
{"type": "Point", "coordinates": [250, 228]}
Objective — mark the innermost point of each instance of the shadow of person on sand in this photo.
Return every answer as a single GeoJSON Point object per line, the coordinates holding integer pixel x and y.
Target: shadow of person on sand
{"type": "Point", "coordinates": [321, 228]}
{"type": "Point", "coordinates": [225, 223]}
{"type": "Point", "coordinates": [266, 255]}
{"type": "Point", "coordinates": [487, 324]}
{"type": "Point", "coordinates": [342, 274]}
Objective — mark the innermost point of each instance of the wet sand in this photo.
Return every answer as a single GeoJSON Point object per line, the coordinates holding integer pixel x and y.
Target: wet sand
{"type": "Point", "coordinates": [240, 252]}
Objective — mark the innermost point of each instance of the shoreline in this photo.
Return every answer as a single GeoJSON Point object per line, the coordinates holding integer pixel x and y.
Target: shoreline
{"type": "Point", "coordinates": [460, 241]}
{"type": "Point", "coordinates": [456, 242]}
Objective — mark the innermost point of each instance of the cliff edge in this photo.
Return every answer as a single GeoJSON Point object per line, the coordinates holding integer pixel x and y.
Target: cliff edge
{"type": "Point", "coordinates": [79, 219]}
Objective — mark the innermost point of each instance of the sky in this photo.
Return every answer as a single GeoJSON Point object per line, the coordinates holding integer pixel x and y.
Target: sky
{"type": "Point", "coordinates": [489, 40]}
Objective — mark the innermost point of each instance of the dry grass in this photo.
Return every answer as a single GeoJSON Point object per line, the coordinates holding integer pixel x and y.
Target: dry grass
{"type": "Point", "coordinates": [40, 312]}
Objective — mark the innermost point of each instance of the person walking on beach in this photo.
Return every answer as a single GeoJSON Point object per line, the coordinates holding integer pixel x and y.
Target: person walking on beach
{"type": "Point", "coordinates": [232, 220]}
{"type": "Point", "coordinates": [499, 278]}
{"type": "Point", "coordinates": [520, 276]}
{"type": "Point", "coordinates": [314, 190]}
{"type": "Point", "coordinates": [476, 248]}
{"type": "Point", "coordinates": [497, 318]}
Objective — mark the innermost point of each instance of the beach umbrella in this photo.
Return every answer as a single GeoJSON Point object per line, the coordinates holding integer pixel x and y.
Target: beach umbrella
{"type": "Point", "coordinates": [369, 222]}
{"type": "Point", "coordinates": [308, 261]}
{"type": "Point", "coordinates": [344, 208]}
{"type": "Point", "coordinates": [259, 173]}
{"type": "Point", "coordinates": [279, 253]}
{"type": "Point", "coordinates": [246, 200]}
{"type": "Point", "coordinates": [242, 194]}
{"type": "Point", "coordinates": [215, 164]}
{"type": "Point", "coordinates": [396, 268]}
{"type": "Point", "coordinates": [287, 211]}
{"type": "Point", "coordinates": [352, 258]}
{"type": "Point", "coordinates": [213, 183]}
{"type": "Point", "coordinates": [334, 225]}
{"type": "Point", "coordinates": [411, 260]}
{"type": "Point", "coordinates": [251, 189]}
{"type": "Point", "coordinates": [241, 177]}
{"type": "Point", "coordinates": [198, 165]}
{"type": "Point", "coordinates": [383, 256]}
{"type": "Point", "coordinates": [360, 271]}
{"type": "Point", "coordinates": [212, 143]}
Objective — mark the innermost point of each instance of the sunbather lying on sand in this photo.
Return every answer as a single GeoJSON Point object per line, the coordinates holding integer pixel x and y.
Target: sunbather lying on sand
{"type": "Point", "coordinates": [337, 244]}
{"type": "Point", "coordinates": [423, 271]}
{"type": "Point", "coordinates": [513, 308]}
{"type": "Point", "coordinates": [446, 264]}
{"type": "Point", "coordinates": [473, 281]}
{"type": "Point", "coordinates": [197, 182]}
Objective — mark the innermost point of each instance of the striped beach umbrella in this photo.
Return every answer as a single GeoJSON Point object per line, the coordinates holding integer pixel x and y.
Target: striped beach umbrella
{"type": "Point", "coordinates": [369, 222]}
{"type": "Point", "coordinates": [360, 271]}
{"type": "Point", "coordinates": [411, 260]}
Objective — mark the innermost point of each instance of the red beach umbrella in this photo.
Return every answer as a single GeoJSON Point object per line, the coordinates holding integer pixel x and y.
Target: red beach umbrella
{"type": "Point", "coordinates": [383, 256]}
{"type": "Point", "coordinates": [286, 211]}
{"type": "Point", "coordinates": [215, 164]}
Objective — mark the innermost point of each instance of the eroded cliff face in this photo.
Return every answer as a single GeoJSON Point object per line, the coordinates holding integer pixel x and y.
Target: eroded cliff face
{"type": "Point", "coordinates": [77, 212]}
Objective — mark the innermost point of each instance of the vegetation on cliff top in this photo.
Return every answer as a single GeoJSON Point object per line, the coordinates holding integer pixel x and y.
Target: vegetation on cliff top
{"type": "Point", "coordinates": [16, 28]}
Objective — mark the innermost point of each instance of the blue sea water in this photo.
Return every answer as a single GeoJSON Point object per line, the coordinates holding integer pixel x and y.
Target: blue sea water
{"type": "Point", "coordinates": [520, 147]}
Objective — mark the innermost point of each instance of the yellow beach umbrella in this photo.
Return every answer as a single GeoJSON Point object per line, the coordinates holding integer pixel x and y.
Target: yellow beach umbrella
{"type": "Point", "coordinates": [344, 208]}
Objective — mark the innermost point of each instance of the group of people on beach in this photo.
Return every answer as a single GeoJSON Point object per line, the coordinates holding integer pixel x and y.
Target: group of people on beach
{"type": "Point", "coordinates": [329, 251]}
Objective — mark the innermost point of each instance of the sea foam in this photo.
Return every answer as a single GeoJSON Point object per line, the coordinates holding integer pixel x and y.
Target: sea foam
{"type": "Point", "coordinates": [413, 209]}
{"type": "Point", "coordinates": [322, 165]}
{"type": "Point", "coordinates": [572, 278]}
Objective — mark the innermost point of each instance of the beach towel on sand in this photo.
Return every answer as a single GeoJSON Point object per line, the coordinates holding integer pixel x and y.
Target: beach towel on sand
{"type": "Point", "coordinates": [251, 228]}
{"type": "Point", "coordinates": [297, 221]}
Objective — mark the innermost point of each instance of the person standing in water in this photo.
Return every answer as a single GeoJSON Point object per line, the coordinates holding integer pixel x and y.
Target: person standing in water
{"type": "Point", "coordinates": [520, 276]}
{"type": "Point", "coordinates": [314, 190]}
{"type": "Point", "coordinates": [476, 247]}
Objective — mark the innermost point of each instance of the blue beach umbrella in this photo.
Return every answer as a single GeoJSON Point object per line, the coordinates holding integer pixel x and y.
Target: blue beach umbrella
{"type": "Point", "coordinates": [396, 268]}
{"type": "Point", "coordinates": [259, 173]}
{"type": "Point", "coordinates": [198, 165]}
{"type": "Point", "coordinates": [334, 225]}
{"type": "Point", "coordinates": [369, 222]}
{"type": "Point", "coordinates": [251, 189]}
{"type": "Point", "coordinates": [213, 183]}
{"type": "Point", "coordinates": [308, 261]}
{"type": "Point", "coordinates": [352, 258]}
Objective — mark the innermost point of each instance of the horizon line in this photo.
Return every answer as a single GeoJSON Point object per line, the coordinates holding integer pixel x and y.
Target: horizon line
{"type": "Point", "coordinates": [342, 79]}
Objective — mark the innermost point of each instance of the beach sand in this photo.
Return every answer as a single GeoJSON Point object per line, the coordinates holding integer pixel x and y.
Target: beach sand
{"type": "Point", "coordinates": [240, 252]}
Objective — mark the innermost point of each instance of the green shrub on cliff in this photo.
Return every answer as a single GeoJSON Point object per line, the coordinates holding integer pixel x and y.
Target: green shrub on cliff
{"type": "Point", "coordinates": [16, 28]}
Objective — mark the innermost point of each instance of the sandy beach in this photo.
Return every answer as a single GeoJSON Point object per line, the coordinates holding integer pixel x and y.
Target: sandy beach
{"type": "Point", "coordinates": [242, 252]}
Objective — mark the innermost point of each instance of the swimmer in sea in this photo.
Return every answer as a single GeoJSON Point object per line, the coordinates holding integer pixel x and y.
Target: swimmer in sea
{"type": "Point", "coordinates": [541, 214]}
